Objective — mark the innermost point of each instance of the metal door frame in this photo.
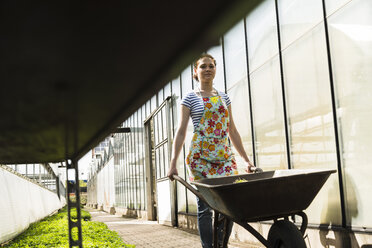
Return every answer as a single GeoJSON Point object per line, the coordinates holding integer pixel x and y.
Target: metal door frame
{"type": "Point", "coordinates": [151, 169]}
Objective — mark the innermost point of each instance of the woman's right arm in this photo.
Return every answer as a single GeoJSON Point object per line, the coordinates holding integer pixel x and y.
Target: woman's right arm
{"type": "Point", "coordinates": [178, 141]}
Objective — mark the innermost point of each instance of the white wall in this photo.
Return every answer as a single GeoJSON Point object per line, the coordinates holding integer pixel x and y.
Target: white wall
{"type": "Point", "coordinates": [23, 202]}
{"type": "Point", "coordinates": [106, 185]}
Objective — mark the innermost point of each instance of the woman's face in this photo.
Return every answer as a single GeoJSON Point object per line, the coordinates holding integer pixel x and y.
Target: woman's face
{"type": "Point", "coordinates": [206, 70]}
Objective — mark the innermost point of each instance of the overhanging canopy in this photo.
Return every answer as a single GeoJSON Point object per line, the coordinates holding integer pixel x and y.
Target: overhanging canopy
{"type": "Point", "coordinates": [73, 71]}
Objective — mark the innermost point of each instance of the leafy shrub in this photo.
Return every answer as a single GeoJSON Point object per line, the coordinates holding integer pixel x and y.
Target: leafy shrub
{"type": "Point", "coordinates": [84, 214]}
{"type": "Point", "coordinates": [53, 232]}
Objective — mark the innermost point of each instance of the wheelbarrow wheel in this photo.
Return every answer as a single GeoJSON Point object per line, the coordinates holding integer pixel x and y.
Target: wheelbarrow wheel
{"type": "Point", "coordinates": [284, 234]}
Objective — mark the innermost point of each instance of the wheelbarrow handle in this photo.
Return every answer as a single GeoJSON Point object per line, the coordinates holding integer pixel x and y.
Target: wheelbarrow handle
{"type": "Point", "coordinates": [189, 187]}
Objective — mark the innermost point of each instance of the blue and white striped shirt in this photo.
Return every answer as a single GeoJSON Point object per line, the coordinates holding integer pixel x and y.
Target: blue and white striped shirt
{"type": "Point", "coordinates": [196, 106]}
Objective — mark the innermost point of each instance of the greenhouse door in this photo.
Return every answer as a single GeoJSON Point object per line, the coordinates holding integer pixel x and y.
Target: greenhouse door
{"type": "Point", "coordinates": [159, 133]}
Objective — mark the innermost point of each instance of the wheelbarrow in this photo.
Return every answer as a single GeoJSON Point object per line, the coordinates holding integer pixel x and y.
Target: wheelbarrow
{"type": "Point", "coordinates": [263, 196]}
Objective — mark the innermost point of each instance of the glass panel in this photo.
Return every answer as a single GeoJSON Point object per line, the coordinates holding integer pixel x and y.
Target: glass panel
{"type": "Point", "coordinates": [159, 128]}
{"type": "Point", "coordinates": [262, 34]}
{"type": "Point", "coordinates": [157, 159]}
{"type": "Point", "coordinates": [219, 80]}
{"type": "Point", "coordinates": [235, 56]}
{"type": "Point", "coordinates": [309, 103]}
{"type": "Point", "coordinates": [176, 100]}
{"type": "Point", "coordinates": [350, 31]}
{"type": "Point", "coordinates": [167, 90]}
{"type": "Point", "coordinates": [161, 161]}
{"type": "Point", "coordinates": [334, 5]}
{"type": "Point", "coordinates": [310, 118]}
{"type": "Point", "coordinates": [132, 165]}
{"type": "Point", "coordinates": [138, 154]}
{"type": "Point", "coordinates": [241, 116]}
{"type": "Point", "coordinates": [191, 200]}
{"type": "Point", "coordinates": [164, 122]}
{"type": "Point", "coordinates": [154, 103]}
{"type": "Point", "coordinates": [186, 87]}
{"type": "Point", "coordinates": [237, 86]}
{"type": "Point", "coordinates": [160, 96]}
{"type": "Point", "coordinates": [155, 126]}
{"type": "Point", "coordinates": [181, 192]}
{"type": "Point", "coordinates": [143, 183]}
{"type": "Point", "coordinates": [296, 17]}
{"type": "Point", "coordinates": [21, 168]}
{"type": "Point", "coordinates": [166, 159]}
{"type": "Point", "coordinates": [127, 176]}
{"type": "Point", "coordinates": [148, 108]}
{"type": "Point", "coordinates": [186, 81]}
{"type": "Point", "coordinates": [267, 107]}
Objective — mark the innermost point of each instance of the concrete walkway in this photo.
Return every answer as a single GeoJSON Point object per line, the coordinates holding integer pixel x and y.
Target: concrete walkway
{"type": "Point", "coordinates": [150, 234]}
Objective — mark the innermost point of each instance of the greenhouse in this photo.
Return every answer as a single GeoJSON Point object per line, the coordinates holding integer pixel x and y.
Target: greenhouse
{"type": "Point", "coordinates": [107, 80]}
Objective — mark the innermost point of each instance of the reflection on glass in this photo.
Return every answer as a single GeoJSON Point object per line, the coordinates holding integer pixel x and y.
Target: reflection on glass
{"type": "Point", "coordinates": [267, 107]}
{"type": "Point", "coordinates": [296, 17]}
{"type": "Point", "coordinates": [235, 59]}
{"type": "Point", "coordinates": [241, 116]}
{"type": "Point", "coordinates": [237, 86]}
{"type": "Point", "coordinates": [219, 80]}
{"type": "Point", "coordinates": [309, 109]}
{"type": "Point", "coordinates": [262, 35]}
{"type": "Point", "coordinates": [333, 5]}
{"type": "Point", "coordinates": [350, 30]}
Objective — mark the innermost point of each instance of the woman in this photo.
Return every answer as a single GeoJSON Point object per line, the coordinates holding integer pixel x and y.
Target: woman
{"type": "Point", "coordinates": [210, 153]}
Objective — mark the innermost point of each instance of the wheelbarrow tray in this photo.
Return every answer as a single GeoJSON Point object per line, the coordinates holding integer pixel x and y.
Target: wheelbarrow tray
{"type": "Point", "coordinates": [265, 196]}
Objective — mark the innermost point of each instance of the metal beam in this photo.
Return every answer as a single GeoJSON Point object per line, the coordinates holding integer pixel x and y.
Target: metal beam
{"type": "Point", "coordinates": [75, 238]}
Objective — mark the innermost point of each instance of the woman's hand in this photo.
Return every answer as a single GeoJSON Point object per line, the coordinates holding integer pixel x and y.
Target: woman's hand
{"type": "Point", "coordinates": [172, 171]}
{"type": "Point", "coordinates": [249, 167]}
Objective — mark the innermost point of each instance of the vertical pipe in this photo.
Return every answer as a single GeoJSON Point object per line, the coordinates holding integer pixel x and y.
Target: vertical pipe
{"type": "Point", "coordinates": [223, 62]}
{"type": "Point", "coordinates": [283, 87]}
{"type": "Point", "coordinates": [334, 115]}
{"type": "Point", "coordinates": [250, 95]}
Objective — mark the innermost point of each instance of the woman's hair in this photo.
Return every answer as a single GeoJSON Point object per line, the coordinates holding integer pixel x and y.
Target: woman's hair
{"type": "Point", "coordinates": [203, 55]}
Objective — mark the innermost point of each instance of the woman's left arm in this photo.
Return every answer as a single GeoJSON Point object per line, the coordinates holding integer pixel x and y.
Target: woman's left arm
{"type": "Point", "coordinates": [237, 142]}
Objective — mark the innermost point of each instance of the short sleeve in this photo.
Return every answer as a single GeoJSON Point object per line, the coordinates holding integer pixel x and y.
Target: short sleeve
{"type": "Point", "coordinates": [186, 101]}
{"type": "Point", "coordinates": [226, 98]}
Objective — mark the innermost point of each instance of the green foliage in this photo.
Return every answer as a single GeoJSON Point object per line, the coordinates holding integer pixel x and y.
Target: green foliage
{"type": "Point", "coordinates": [53, 232]}
{"type": "Point", "coordinates": [83, 199]}
{"type": "Point", "coordinates": [84, 214]}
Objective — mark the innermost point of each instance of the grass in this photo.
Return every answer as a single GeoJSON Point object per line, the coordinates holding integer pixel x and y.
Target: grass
{"type": "Point", "coordinates": [53, 232]}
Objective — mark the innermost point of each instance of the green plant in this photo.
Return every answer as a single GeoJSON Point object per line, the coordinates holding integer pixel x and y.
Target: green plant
{"type": "Point", "coordinates": [84, 214]}
{"type": "Point", "coordinates": [53, 232]}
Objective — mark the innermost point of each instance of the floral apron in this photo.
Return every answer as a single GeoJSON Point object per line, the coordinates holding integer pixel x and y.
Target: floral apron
{"type": "Point", "coordinates": [210, 153]}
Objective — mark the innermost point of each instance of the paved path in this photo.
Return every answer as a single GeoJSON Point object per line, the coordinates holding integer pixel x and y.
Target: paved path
{"type": "Point", "coordinates": [149, 234]}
